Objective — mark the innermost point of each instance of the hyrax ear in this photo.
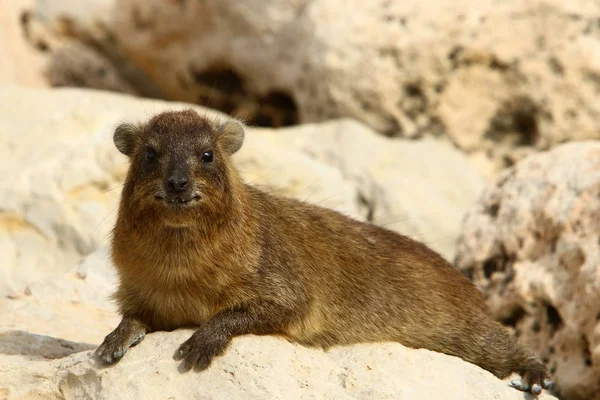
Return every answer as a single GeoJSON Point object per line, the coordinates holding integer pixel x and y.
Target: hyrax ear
{"type": "Point", "coordinates": [231, 136]}
{"type": "Point", "coordinates": [126, 138]}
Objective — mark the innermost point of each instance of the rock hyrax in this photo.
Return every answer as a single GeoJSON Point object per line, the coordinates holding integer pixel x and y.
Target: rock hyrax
{"type": "Point", "coordinates": [195, 246]}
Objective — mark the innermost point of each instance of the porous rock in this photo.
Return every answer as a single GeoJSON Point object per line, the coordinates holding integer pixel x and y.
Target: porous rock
{"type": "Point", "coordinates": [531, 245]}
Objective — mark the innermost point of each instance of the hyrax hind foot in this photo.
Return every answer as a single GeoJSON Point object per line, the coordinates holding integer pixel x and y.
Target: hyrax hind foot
{"type": "Point", "coordinates": [129, 333]}
{"type": "Point", "coordinates": [534, 378]}
{"type": "Point", "coordinates": [533, 389]}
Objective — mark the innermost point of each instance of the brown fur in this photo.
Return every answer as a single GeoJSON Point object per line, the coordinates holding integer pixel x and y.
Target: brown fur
{"type": "Point", "coordinates": [241, 261]}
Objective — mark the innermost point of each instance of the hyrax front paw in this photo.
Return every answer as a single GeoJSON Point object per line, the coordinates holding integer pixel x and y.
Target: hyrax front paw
{"type": "Point", "coordinates": [117, 342]}
{"type": "Point", "coordinates": [198, 351]}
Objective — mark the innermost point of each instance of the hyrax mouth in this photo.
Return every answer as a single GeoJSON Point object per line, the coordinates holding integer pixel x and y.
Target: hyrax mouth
{"type": "Point", "coordinates": [178, 201]}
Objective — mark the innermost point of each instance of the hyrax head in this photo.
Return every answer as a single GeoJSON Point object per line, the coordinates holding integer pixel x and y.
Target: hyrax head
{"type": "Point", "coordinates": [180, 164]}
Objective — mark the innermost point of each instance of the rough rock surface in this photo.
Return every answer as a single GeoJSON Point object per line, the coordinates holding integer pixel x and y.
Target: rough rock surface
{"type": "Point", "coordinates": [63, 176]}
{"type": "Point", "coordinates": [492, 77]}
{"type": "Point", "coordinates": [252, 368]}
{"type": "Point", "coordinates": [531, 244]}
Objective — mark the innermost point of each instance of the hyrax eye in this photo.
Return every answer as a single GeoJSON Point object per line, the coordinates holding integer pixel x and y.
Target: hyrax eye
{"type": "Point", "coordinates": [207, 156]}
{"type": "Point", "coordinates": [151, 156]}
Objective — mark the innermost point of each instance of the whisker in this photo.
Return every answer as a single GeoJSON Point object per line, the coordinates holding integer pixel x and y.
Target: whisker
{"type": "Point", "coordinates": [104, 219]}
{"type": "Point", "coordinates": [327, 198]}
{"type": "Point", "coordinates": [113, 188]}
{"type": "Point", "coordinates": [256, 179]}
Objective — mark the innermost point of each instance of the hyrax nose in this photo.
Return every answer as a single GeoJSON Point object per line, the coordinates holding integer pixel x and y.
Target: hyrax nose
{"type": "Point", "coordinates": [177, 184]}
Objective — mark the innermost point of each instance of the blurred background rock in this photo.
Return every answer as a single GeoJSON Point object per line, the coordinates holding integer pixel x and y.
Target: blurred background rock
{"type": "Point", "coordinates": [21, 63]}
{"type": "Point", "coordinates": [499, 80]}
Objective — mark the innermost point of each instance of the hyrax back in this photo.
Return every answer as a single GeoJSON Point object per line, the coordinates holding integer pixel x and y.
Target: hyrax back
{"type": "Point", "coordinates": [195, 246]}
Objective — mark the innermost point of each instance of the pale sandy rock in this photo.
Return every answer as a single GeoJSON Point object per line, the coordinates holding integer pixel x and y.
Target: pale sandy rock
{"type": "Point", "coordinates": [63, 176]}
{"type": "Point", "coordinates": [492, 77]}
{"type": "Point", "coordinates": [255, 368]}
{"type": "Point", "coordinates": [531, 245]}
{"type": "Point", "coordinates": [75, 306]}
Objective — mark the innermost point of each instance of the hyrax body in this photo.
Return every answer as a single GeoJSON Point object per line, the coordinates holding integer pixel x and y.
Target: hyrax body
{"type": "Point", "coordinates": [194, 246]}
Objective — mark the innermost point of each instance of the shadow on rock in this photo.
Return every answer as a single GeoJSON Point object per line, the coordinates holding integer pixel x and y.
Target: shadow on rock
{"type": "Point", "coordinates": [16, 342]}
